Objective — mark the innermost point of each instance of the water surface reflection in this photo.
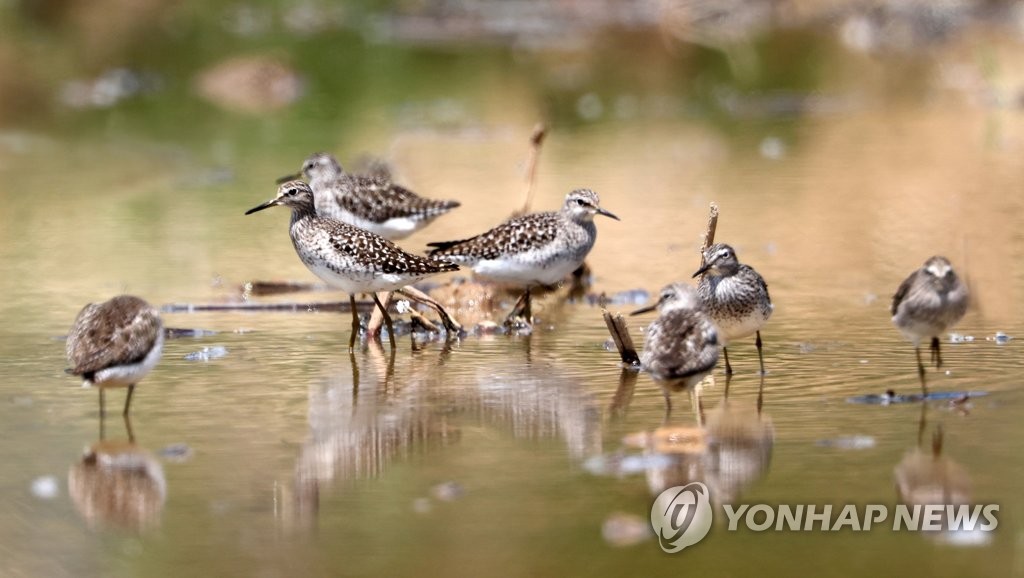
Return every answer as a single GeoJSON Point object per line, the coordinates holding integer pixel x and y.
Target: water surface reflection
{"type": "Point", "coordinates": [362, 419]}
{"type": "Point", "coordinates": [118, 484]}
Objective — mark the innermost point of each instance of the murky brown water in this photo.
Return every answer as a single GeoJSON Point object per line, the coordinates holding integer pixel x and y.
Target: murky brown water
{"type": "Point", "coordinates": [308, 461]}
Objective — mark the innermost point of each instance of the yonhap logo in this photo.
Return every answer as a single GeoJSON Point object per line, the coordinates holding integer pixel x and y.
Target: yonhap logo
{"type": "Point", "coordinates": [681, 516]}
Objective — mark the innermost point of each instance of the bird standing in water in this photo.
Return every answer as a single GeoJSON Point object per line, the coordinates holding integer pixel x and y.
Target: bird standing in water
{"type": "Point", "coordinates": [347, 257]}
{"type": "Point", "coordinates": [535, 249]}
{"type": "Point", "coordinates": [927, 303]}
{"type": "Point", "coordinates": [115, 344]}
{"type": "Point", "coordinates": [681, 345]}
{"type": "Point", "coordinates": [735, 296]}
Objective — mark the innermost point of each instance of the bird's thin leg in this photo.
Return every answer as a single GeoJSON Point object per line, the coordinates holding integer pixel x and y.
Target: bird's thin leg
{"type": "Point", "coordinates": [103, 403]}
{"type": "Point", "coordinates": [760, 356]}
{"type": "Point", "coordinates": [936, 352]}
{"type": "Point", "coordinates": [103, 431]}
{"type": "Point", "coordinates": [355, 379]}
{"type": "Point", "coordinates": [128, 428]}
{"type": "Point", "coordinates": [376, 321]}
{"type": "Point", "coordinates": [389, 373]}
{"type": "Point", "coordinates": [728, 368]}
{"type": "Point", "coordinates": [922, 423]}
{"type": "Point", "coordinates": [355, 323]}
{"type": "Point", "coordinates": [128, 400]}
{"type": "Point", "coordinates": [668, 406]}
{"type": "Point", "coordinates": [920, 372]}
{"type": "Point", "coordinates": [387, 321]}
{"type": "Point", "coordinates": [937, 445]}
{"type": "Point", "coordinates": [760, 395]}
{"type": "Point", "coordinates": [698, 404]}
{"type": "Point", "coordinates": [527, 307]}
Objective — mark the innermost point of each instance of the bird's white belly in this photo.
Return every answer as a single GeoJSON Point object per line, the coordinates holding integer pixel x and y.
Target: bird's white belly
{"type": "Point", "coordinates": [916, 330]}
{"type": "Point", "coordinates": [525, 269]}
{"type": "Point", "coordinates": [361, 282]}
{"type": "Point", "coordinates": [732, 329]}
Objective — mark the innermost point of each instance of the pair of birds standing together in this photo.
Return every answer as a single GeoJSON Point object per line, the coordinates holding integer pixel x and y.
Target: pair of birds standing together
{"type": "Point", "coordinates": [730, 302]}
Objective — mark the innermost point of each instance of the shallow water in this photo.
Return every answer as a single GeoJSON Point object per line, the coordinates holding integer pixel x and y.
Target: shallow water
{"type": "Point", "coordinates": [306, 460]}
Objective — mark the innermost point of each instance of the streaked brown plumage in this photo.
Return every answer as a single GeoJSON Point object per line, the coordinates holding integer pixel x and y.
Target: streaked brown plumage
{"type": "Point", "coordinates": [115, 344]}
{"type": "Point", "coordinates": [681, 345]}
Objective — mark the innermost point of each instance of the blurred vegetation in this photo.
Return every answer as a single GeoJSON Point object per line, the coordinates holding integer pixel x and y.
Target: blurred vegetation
{"type": "Point", "coordinates": [275, 72]}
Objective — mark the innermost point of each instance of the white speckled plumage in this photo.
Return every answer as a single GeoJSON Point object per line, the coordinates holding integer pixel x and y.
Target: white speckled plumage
{"type": "Point", "coordinates": [347, 257]}
{"type": "Point", "coordinates": [370, 202]}
{"type": "Point", "coordinates": [539, 248]}
{"type": "Point", "coordinates": [735, 296]}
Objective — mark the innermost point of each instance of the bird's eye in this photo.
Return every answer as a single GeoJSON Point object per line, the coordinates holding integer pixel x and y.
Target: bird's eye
{"type": "Point", "coordinates": [291, 192]}
{"type": "Point", "coordinates": [581, 202]}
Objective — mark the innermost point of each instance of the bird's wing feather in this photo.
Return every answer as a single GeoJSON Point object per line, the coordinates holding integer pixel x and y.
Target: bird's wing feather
{"type": "Point", "coordinates": [902, 292]}
{"type": "Point", "coordinates": [689, 348]}
{"type": "Point", "coordinates": [379, 200]}
{"type": "Point", "coordinates": [112, 333]}
{"type": "Point", "coordinates": [374, 251]}
{"type": "Point", "coordinates": [508, 237]}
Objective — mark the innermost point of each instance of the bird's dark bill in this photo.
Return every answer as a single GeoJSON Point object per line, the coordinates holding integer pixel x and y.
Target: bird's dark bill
{"type": "Point", "coordinates": [645, 309]}
{"type": "Point", "coordinates": [601, 211]}
{"type": "Point", "coordinates": [265, 205]}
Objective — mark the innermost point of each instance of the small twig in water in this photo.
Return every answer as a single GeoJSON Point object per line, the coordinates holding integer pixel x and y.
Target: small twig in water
{"type": "Point", "coordinates": [536, 140]}
{"type": "Point", "coordinates": [620, 335]}
{"type": "Point", "coordinates": [709, 233]}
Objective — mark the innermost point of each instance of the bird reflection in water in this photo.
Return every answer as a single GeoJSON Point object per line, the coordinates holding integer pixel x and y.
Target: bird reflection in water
{"type": "Point", "coordinates": [537, 401]}
{"type": "Point", "coordinates": [118, 484]}
{"type": "Point", "coordinates": [729, 448]}
{"type": "Point", "coordinates": [927, 477]}
{"type": "Point", "coordinates": [361, 422]}
{"type": "Point", "coordinates": [383, 415]}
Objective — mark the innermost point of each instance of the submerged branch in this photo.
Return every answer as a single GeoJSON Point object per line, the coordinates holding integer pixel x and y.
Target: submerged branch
{"type": "Point", "coordinates": [290, 307]}
{"type": "Point", "coordinates": [262, 288]}
{"type": "Point", "coordinates": [620, 335]}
